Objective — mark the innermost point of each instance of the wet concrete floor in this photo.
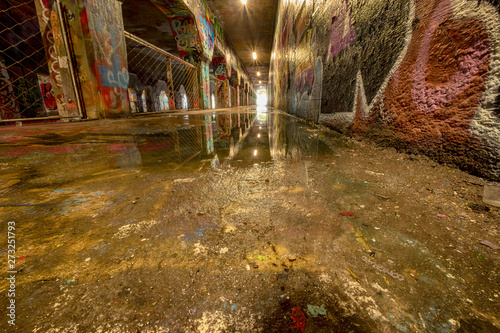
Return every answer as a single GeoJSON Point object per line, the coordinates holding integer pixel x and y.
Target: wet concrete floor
{"type": "Point", "coordinates": [242, 221]}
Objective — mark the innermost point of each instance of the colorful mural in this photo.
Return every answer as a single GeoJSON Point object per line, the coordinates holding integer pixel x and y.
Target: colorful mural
{"type": "Point", "coordinates": [110, 55]}
{"type": "Point", "coordinates": [186, 37]}
{"type": "Point", "coordinates": [220, 69]}
{"type": "Point", "coordinates": [206, 28]}
{"type": "Point", "coordinates": [205, 79]}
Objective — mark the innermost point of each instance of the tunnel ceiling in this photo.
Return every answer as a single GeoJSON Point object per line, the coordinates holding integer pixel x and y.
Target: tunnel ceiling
{"type": "Point", "coordinates": [250, 28]}
{"type": "Point", "coordinates": [146, 21]}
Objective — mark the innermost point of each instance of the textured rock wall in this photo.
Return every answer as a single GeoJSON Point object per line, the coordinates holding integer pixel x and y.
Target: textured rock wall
{"type": "Point", "coordinates": [420, 75]}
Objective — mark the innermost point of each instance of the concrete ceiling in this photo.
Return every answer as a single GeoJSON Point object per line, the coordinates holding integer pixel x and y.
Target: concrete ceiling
{"type": "Point", "coordinates": [250, 28]}
{"type": "Point", "coordinates": [146, 21]}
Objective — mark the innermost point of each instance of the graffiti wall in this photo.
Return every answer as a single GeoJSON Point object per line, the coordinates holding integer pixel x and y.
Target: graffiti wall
{"type": "Point", "coordinates": [296, 64]}
{"type": "Point", "coordinates": [186, 37]}
{"type": "Point", "coordinates": [57, 58]}
{"type": "Point", "coordinates": [419, 75]}
{"type": "Point", "coordinates": [205, 81]}
{"type": "Point", "coordinates": [105, 23]}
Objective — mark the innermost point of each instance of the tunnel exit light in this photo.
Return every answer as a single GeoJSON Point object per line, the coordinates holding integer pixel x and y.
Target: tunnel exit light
{"type": "Point", "coordinates": [244, 2]}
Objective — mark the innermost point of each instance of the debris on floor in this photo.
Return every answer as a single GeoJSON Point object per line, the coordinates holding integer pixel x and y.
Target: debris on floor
{"type": "Point", "coordinates": [299, 318]}
{"type": "Point", "coordinates": [314, 310]}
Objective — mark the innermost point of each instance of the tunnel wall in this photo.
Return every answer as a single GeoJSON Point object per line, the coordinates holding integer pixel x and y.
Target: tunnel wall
{"type": "Point", "coordinates": [422, 76]}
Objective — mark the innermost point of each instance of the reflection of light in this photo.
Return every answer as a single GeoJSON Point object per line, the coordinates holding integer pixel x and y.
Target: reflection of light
{"type": "Point", "coordinates": [255, 152]}
{"type": "Point", "coordinates": [254, 55]}
{"type": "Point", "coordinates": [262, 98]}
{"type": "Point", "coordinates": [258, 135]}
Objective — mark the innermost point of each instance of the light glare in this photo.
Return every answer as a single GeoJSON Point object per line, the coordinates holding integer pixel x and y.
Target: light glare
{"type": "Point", "coordinates": [254, 55]}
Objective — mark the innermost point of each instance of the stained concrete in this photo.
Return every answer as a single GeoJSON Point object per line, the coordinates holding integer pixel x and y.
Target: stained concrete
{"type": "Point", "coordinates": [131, 225]}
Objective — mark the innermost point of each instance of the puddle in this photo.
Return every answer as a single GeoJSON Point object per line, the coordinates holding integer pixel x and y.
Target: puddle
{"type": "Point", "coordinates": [172, 142]}
{"type": "Point", "coordinates": [220, 140]}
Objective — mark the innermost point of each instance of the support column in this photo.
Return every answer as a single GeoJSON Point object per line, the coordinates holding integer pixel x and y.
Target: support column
{"type": "Point", "coordinates": [227, 97]}
{"type": "Point", "coordinates": [93, 46]}
{"type": "Point", "coordinates": [205, 85]}
{"type": "Point", "coordinates": [170, 82]}
{"type": "Point", "coordinates": [58, 58]}
{"type": "Point", "coordinates": [109, 61]}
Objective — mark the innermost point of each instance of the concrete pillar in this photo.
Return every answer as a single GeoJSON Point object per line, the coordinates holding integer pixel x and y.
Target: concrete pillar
{"type": "Point", "coordinates": [109, 57]}
{"type": "Point", "coordinates": [58, 57]}
{"type": "Point", "coordinates": [170, 82]}
{"type": "Point", "coordinates": [204, 85]}
{"type": "Point", "coordinates": [227, 96]}
{"type": "Point", "coordinates": [87, 57]}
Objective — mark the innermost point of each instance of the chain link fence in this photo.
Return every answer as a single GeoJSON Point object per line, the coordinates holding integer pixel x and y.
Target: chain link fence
{"type": "Point", "coordinates": [219, 93]}
{"type": "Point", "coordinates": [31, 43]}
{"type": "Point", "coordinates": [159, 81]}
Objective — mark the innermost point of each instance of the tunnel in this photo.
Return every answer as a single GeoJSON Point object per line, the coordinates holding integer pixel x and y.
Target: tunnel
{"type": "Point", "coordinates": [212, 166]}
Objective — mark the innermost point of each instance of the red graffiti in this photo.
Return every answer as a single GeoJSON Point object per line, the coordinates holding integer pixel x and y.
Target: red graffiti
{"type": "Point", "coordinates": [48, 96]}
{"type": "Point", "coordinates": [438, 87]}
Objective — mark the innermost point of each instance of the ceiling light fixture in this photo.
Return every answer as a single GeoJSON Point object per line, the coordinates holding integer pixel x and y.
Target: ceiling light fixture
{"type": "Point", "coordinates": [254, 55]}
{"type": "Point", "coordinates": [260, 81]}
{"type": "Point", "coordinates": [258, 73]}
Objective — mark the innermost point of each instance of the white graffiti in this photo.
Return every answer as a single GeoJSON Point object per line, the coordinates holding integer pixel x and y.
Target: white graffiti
{"type": "Point", "coordinates": [383, 270]}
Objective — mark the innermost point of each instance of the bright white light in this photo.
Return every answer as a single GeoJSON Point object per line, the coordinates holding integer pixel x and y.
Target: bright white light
{"type": "Point", "coordinates": [260, 81]}
{"type": "Point", "coordinates": [260, 127]}
{"type": "Point", "coordinates": [262, 99]}
{"type": "Point", "coordinates": [254, 55]}
{"type": "Point", "coordinates": [213, 101]}
{"type": "Point", "coordinates": [255, 152]}
{"type": "Point", "coordinates": [258, 135]}
{"type": "Point", "coordinates": [258, 73]}
{"type": "Point", "coordinates": [244, 2]}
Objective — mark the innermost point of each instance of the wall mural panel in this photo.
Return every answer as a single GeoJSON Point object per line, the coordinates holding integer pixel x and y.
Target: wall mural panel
{"type": "Point", "coordinates": [187, 39]}
{"type": "Point", "coordinates": [220, 69]}
{"type": "Point", "coordinates": [110, 55]}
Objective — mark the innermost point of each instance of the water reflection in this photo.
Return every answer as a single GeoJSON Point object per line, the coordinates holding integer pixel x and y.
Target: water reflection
{"type": "Point", "coordinates": [292, 139]}
{"type": "Point", "coordinates": [183, 141]}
